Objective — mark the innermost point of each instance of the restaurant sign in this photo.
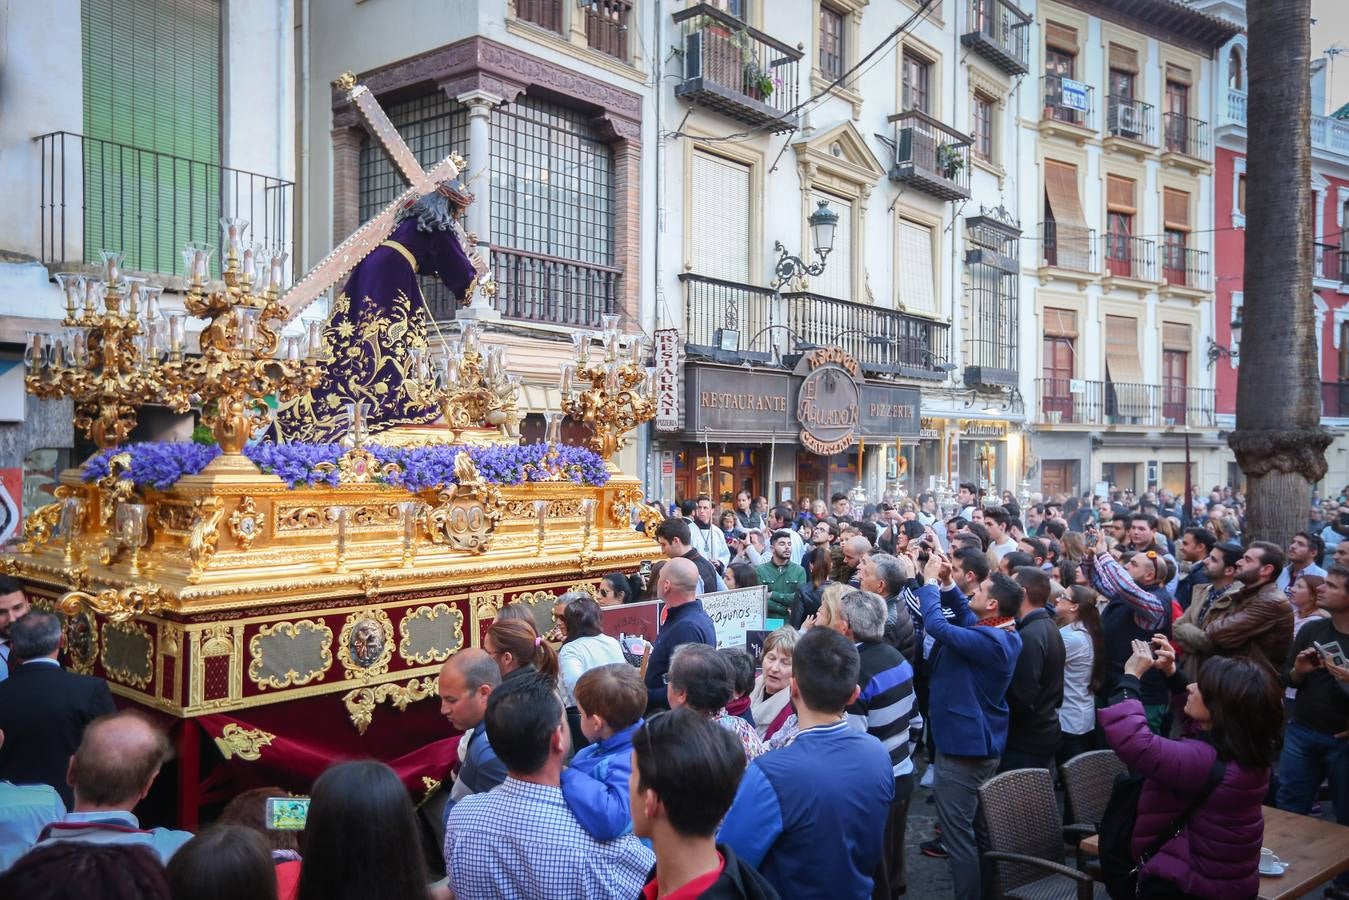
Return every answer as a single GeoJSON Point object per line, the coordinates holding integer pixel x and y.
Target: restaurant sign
{"type": "Point", "coordinates": [738, 401]}
{"type": "Point", "coordinates": [665, 349]}
{"type": "Point", "coordinates": [827, 405]}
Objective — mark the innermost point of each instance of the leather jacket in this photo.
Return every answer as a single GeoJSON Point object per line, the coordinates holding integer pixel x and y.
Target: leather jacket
{"type": "Point", "coordinates": [1253, 620]}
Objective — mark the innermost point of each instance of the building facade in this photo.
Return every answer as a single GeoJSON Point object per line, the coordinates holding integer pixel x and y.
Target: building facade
{"type": "Point", "coordinates": [1329, 139]}
{"type": "Point", "coordinates": [130, 126]}
{"type": "Point", "coordinates": [1117, 131]}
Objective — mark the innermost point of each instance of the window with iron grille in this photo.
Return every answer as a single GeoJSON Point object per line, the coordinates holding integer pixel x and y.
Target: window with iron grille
{"type": "Point", "coordinates": [433, 126]}
{"type": "Point", "coordinates": [831, 42]}
{"type": "Point", "coordinates": [991, 309]}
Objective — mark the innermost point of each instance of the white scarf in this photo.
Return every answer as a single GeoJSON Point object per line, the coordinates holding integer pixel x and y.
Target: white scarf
{"type": "Point", "coordinates": [766, 709]}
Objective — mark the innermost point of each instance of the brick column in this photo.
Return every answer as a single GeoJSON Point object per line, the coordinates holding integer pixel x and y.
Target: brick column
{"type": "Point", "coordinates": [628, 230]}
{"type": "Point", "coordinates": [346, 181]}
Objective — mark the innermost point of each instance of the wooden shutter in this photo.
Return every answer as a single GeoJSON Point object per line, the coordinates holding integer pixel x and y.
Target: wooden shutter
{"type": "Point", "coordinates": [1061, 37]}
{"type": "Point", "coordinates": [1178, 74]}
{"type": "Point", "coordinates": [1061, 191]}
{"type": "Point", "coordinates": [1176, 336]}
{"type": "Point", "coordinates": [1175, 209]}
{"type": "Point", "coordinates": [1124, 59]}
{"type": "Point", "coordinates": [1060, 323]}
{"type": "Point", "coordinates": [1119, 194]}
{"type": "Point", "coordinates": [917, 284]}
{"type": "Point", "coordinates": [1121, 350]}
{"type": "Point", "coordinates": [720, 223]}
{"type": "Point", "coordinates": [836, 281]}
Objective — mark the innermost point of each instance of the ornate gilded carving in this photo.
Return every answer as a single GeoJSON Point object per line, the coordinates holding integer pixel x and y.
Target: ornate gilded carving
{"type": "Point", "coordinates": [290, 653]}
{"type": "Point", "coordinates": [128, 653]}
{"type": "Point", "coordinates": [117, 605]}
{"type": "Point", "coordinates": [431, 634]}
{"type": "Point", "coordinates": [485, 605]}
{"type": "Point", "coordinates": [371, 583]}
{"type": "Point", "coordinates": [113, 488]}
{"type": "Point", "coordinates": [314, 518]}
{"type": "Point", "coordinates": [345, 82]}
{"type": "Point", "coordinates": [585, 587]}
{"type": "Point", "coordinates": [465, 514]}
{"type": "Point", "coordinates": [247, 523]}
{"type": "Point", "coordinates": [39, 526]}
{"type": "Point", "coordinates": [300, 518]}
{"type": "Point", "coordinates": [245, 743]}
{"type": "Point", "coordinates": [201, 544]}
{"type": "Point", "coordinates": [361, 702]}
{"type": "Point", "coordinates": [82, 641]}
{"type": "Point", "coordinates": [175, 517]}
{"type": "Point", "coordinates": [359, 466]}
{"type": "Point", "coordinates": [557, 509]}
{"type": "Point", "coordinates": [365, 646]}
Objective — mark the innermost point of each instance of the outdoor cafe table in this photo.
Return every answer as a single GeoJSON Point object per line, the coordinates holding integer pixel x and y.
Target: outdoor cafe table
{"type": "Point", "coordinates": [1314, 850]}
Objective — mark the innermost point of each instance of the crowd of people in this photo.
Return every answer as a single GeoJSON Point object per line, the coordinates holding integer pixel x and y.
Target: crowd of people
{"type": "Point", "coordinates": [909, 647]}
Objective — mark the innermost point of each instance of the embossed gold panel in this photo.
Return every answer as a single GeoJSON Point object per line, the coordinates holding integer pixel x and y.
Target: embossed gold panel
{"type": "Point", "coordinates": [128, 653]}
{"type": "Point", "coordinates": [431, 633]}
{"type": "Point", "coordinates": [290, 653]}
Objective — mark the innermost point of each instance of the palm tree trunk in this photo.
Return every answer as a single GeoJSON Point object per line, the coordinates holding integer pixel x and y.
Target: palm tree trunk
{"type": "Point", "coordinates": [1278, 441]}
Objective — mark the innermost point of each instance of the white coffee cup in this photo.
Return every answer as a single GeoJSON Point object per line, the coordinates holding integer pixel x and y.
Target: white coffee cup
{"type": "Point", "coordinates": [1268, 861]}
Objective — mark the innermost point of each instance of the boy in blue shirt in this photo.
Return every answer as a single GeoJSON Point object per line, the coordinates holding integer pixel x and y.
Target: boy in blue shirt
{"type": "Point", "coordinates": [611, 700]}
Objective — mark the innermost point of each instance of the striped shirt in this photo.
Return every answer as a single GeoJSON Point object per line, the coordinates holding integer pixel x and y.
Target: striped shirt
{"type": "Point", "coordinates": [886, 702]}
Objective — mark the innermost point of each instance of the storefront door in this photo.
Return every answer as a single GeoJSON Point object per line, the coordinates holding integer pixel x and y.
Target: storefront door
{"type": "Point", "coordinates": [720, 474]}
{"type": "Point", "coordinates": [1058, 476]}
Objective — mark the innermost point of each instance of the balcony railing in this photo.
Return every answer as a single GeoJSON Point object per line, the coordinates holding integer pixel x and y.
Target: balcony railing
{"type": "Point", "coordinates": [101, 195]}
{"type": "Point", "coordinates": [1067, 100]}
{"type": "Point", "coordinates": [1327, 262]}
{"type": "Point", "coordinates": [1130, 257]}
{"type": "Point", "coordinates": [1126, 117]}
{"type": "Point", "coordinates": [999, 32]}
{"type": "Point", "coordinates": [1068, 247]}
{"type": "Point", "coordinates": [1327, 132]}
{"type": "Point", "coordinates": [931, 156]}
{"type": "Point", "coordinates": [1335, 399]}
{"type": "Point", "coordinates": [607, 26]}
{"type": "Point", "coordinates": [714, 307]}
{"type": "Point", "coordinates": [543, 13]}
{"type": "Point", "coordinates": [737, 70]}
{"type": "Point", "coordinates": [882, 340]}
{"type": "Point", "coordinates": [549, 289]}
{"type": "Point", "coordinates": [1183, 267]}
{"type": "Point", "coordinates": [1075, 401]}
{"type": "Point", "coordinates": [1186, 135]}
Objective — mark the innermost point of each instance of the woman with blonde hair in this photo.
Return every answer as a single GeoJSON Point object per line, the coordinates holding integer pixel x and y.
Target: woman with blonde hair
{"type": "Point", "coordinates": [771, 697]}
{"type": "Point", "coordinates": [1073, 547]}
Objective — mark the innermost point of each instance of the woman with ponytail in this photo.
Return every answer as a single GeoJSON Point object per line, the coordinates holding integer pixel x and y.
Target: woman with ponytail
{"type": "Point", "coordinates": [517, 647]}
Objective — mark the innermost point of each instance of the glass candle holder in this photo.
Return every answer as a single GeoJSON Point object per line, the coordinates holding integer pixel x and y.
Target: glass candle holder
{"type": "Point", "coordinates": [112, 265]}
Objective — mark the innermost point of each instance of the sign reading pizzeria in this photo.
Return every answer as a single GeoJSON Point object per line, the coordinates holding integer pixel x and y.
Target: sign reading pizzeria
{"type": "Point", "coordinates": [828, 401]}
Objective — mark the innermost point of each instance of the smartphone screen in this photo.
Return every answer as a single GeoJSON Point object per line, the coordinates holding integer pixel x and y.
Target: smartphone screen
{"type": "Point", "coordinates": [286, 813]}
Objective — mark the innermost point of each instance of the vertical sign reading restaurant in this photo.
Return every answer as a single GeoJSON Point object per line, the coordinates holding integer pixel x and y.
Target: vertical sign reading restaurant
{"type": "Point", "coordinates": [666, 351]}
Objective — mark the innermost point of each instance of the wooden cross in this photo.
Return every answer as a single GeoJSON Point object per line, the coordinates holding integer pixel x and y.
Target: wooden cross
{"type": "Point", "coordinates": [344, 257]}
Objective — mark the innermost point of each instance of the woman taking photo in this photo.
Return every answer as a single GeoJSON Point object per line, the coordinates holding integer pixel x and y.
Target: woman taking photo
{"type": "Point", "coordinates": [770, 701]}
{"type": "Point", "coordinates": [1083, 668]}
{"type": "Point", "coordinates": [517, 647]}
{"type": "Point", "coordinates": [1236, 703]}
{"type": "Point", "coordinates": [585, 648]}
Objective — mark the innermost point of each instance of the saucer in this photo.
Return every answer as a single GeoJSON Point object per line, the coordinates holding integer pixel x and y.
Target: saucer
{"type": "Point", "coordinates": [1274, 871]}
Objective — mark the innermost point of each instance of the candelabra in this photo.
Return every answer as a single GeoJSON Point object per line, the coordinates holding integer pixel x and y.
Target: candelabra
{"type": "Point", "coordinates": [619, 395]}
{"type": "Point", "coordinates": [236, 368]}
{"type": "Point", "coordinates": [101, 358]}
{"type": "Point", "coordinates": [471, 387]}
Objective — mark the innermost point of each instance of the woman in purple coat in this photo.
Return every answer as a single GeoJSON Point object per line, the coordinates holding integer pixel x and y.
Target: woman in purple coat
{"type": "Point", "coordinates": [1236, 703]}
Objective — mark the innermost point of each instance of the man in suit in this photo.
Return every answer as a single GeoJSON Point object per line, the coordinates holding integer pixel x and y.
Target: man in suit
{"type": "Point", "coordinates": [13, 606]}
{"type": "Point", "coordinates": [44, 708]}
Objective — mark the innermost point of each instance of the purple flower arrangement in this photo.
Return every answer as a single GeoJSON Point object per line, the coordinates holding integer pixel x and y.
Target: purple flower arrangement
{"type": "Point", "coordinates": [160, 465]}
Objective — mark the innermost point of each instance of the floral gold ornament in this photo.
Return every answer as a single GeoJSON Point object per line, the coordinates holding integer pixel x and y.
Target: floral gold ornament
{"type": "Point", "coordinates": [290, 653]}
{"type": "Point", "coordinates": [201, 543]}
{"type": "Point", "coordinates": [365, 645]}
{"type": "Point", "coordinates": [361, 702]}
{"type": "Point", "coordinates": [470, 385]}
{"type": "Point", "coordinates": [116, 605]}
{"type": "Point", "coordinates": [244, 743]}
{"type": "Point", "coordinates": [246, 523]}
{"type": "Point", "coordinates": [615, 392]}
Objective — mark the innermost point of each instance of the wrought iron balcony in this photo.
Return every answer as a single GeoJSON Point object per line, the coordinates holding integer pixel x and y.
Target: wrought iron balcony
{"type": "Point", "coordinates": [1327, 262]}
{"type": "Point", "coordinates": [607, 26]}
{"type": "Point", "coordinates": [1077, 401]}
{"type": "Point", "coordinates": [1128, 118]}
{"type": "Point", "coordinates": [930, 156]}
{"type": "Point", "coordinates": [999, 32]}
{"type": "Point", "coordinates": [1185, 268]}
{"type": "Point", "coordinates": [726, 317]}
{"type": "Point", "coordinates": [881, 340]}
{"type": "Point", "coordinates": [1069, 247]}
{"type": "Point", "coordinates": [96, 194]}
{"type": "Point", "coordinates": [1068, 101]}
{"type": "Point", "coordinates": [737, 70]}
{"type": "Point", "coordinates": [1129, 257]}
{"type": "Point", "coordinates": [1186, 136]}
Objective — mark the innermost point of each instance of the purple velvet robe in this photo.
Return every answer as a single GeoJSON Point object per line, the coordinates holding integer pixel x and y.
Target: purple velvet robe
{"type": "Point", "coordinates": [377, 318]}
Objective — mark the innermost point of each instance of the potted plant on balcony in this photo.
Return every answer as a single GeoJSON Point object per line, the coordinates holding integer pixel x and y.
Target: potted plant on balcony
{"type": "Point", "coordinates": [949, 161]}
{"type": "Point", "coordinates": [758, 82]}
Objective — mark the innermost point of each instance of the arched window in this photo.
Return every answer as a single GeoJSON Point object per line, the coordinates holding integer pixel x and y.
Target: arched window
{"type": "Point", "coordinates": [1236, 74]}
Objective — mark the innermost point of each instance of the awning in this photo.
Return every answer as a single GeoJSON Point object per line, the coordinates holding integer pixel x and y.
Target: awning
{"type": "Point", "coordinates": [1061, 37]}
{"type": "Point", "coordinates": [1175, 209]}
{"type": "Point", "coordinates": [1176, 336]}
{"type": "Point", "coordinates": [1072, 237]}
{"type": "Point", "coordinates": [1060, 323]}
{"type": "Point", "coordinates": [1123, 368]}
{"type": "Point", "coordinates": [1119, 194]}
{"type": "Point", "coordinates": [1125, 59]}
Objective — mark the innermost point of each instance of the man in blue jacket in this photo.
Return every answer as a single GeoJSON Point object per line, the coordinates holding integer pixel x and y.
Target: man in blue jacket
{"type": "Point", "coordinates": [686, 622]}
{"type": "Point", "coordinates": [811, 816]}
{"type": "Point", "coordinates": [971, 667]}
{"type": "Point", "coordinates": [467, 679]}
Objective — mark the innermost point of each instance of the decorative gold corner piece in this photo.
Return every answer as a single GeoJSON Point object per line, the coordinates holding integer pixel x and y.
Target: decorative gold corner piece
{"type": "Point", "coordinates": [118, 606]}
{"type": "Point", "coordinates": [247, 523]}
{"type": "Point", "coordinates": [361, 702]}
{"type": "Point", "coordinates": [245, 743]}
{"type": "Point", "coordinates": [201, 544]}
{"type": "Point", "coordinates": [345, 82]}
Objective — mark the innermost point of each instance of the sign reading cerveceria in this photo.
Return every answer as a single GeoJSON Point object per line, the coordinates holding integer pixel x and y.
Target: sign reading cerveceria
{"type": "Point", "coordinates": [828, 401]}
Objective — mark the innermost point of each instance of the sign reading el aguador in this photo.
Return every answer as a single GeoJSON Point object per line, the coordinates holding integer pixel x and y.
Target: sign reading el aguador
{"type": "Point", "coordinates": [827, 404]}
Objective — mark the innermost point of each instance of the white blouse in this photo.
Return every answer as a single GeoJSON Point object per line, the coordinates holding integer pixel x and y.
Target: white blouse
{"type": "Point", "coordinates": [1077, 715]}
{"type": "Point", "coordinates": [583, 654]}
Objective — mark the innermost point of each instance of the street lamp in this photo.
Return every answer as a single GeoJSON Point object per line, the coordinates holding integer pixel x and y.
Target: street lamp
{"type": "Point", "coordinates": [788, 268]}
{"type": "Point", "coordinates": [1217, 351]}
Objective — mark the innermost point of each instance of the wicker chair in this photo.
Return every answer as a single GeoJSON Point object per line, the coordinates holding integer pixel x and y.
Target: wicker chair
{"type": "Point", "coordinates": [1025, 838]}
{"type": "Point", "coordinates": [1088, 779]}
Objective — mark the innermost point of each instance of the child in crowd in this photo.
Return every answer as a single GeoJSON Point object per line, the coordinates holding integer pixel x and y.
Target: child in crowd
{"type": "Point", "coordinates": [611, 700]}
{"type": "Point", "coordinates": [743, 664]}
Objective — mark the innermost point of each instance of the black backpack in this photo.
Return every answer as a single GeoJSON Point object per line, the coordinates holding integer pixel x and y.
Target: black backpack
{"type": "Point", "coordinates": [1119, 866]}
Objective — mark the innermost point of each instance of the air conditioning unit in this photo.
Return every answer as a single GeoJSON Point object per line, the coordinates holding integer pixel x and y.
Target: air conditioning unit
{"type": "Point", "coordinates": [1128, 121]}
